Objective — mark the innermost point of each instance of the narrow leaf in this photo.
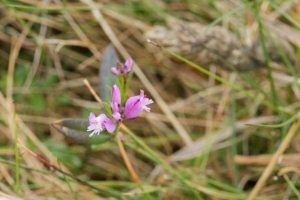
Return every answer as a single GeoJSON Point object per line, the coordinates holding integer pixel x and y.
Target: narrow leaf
{"type": "Point", "coordinates": [106, 78]}
{"type": "Point", "coordinates": [76, 129]}
{"type": "Point", "coordinates": [287, 122]}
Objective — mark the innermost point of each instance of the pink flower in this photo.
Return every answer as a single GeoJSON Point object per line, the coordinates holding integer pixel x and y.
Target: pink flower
{"type": "Point", "coordinates": [133, 107]}
{"type": "Point", "coordinates": [116, 95]}
{"type": "Point", "coordinates": [128, 65]}
{"type": "Point", "coordinates": [97, 124]}
{"type": "Point", "coordinates": [116, 103]}
{"type": "Point", "coordinates": [123, 69]}
{"type": "Point", "coordinates": [136, 104]}
{"type": "Point", "coordinates": [115, 109]}
{"type": "Point", "coordinates": [115, 71]}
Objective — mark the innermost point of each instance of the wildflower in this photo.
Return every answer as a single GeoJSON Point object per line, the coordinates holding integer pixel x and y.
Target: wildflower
{"type": "Point", "coordinates": [133, 107]}
{"type": "Point", "coordinates": [98, 124]}
{"type": "Point", "coordinates": [116, 103]}
{"type": "Point", "coordinates": [123, 69]}
{"type": "Point", "coordinates": [116, 95]}
{"type": "Point", "coordinates": [136, 104]}
{"type": "Point", "coordinates": [128, 66]}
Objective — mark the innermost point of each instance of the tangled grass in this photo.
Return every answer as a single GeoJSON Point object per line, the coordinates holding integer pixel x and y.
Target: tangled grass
{"type": "Point", "coordinates": [201, 140]}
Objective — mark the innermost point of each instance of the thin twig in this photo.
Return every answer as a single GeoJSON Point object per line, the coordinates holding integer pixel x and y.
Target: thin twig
{"type": "Point", "coordinates": [93, 92]}
{"type": "Point", "coordinates": [265, 175]}
{"type": "Point", "coordinates": [61, 171]}
{"type": "Point", "coordinates": [127, 161]}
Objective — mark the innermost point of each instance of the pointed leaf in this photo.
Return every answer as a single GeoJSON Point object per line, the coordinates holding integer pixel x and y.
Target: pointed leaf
{"type": "Point", "coordinates": [106, 78]}
{"type": "Point", "coordinates": [107, 109]}
{"type": "Point", "coordinates": [76, 129]}
{"type": "Point", "coordinates": [65, 154]}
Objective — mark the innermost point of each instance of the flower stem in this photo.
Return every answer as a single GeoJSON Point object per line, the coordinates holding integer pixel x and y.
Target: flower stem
{"type": "Point", "coordinates": [160, 161]}
{"type": "Point", "coordinates": [127, 161]}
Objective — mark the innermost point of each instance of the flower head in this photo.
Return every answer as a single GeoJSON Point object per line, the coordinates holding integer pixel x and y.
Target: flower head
{"type": "Point", "coordinates": [116, 103]}
{"type": "Point", "coordinates": [128, 65]}
{"type": "Point", "coordinates": [133, 107]}
{"type": "Point", "coordinates": [115, 94]}
{"type": "Point", "coordinates": [136, 104]}
{"type": "Point", "coordinates": [123, 69]}
{"type": "Point", "coordinates": [98, 124]}
{"type": "Point", "coordinates": [115, 71]}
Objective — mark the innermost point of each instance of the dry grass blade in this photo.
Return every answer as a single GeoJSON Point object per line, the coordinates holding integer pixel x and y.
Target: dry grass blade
{"type": "Point", "coordinates": [284, 160]}
{"type": "Point", "coordinates": [195, 149]}
{"type": "Point", "coordinates": [265, 175]}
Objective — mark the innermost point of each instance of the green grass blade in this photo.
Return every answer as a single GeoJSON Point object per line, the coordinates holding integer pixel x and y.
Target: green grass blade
{"type": "Point", "coordinates": [266, 53]}
{"type": "Point", "coordinates": [291, 184]}
{"type": "Point", "coordinates": [160, 161]}
{"type": "Point", "coordinates": [218, 78]}
{"type": "Point", "coordinates": [287, 122]}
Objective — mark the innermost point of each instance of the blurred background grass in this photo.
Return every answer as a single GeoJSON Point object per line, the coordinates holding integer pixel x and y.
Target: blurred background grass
{"type": "Point", "coordinates": [49, 47]}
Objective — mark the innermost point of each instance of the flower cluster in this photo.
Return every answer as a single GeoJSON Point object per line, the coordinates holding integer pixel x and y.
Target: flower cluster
{"type": "Point", "coordinates": [133, 107]}
{"type": "Point", "coordinates": [123, 69]}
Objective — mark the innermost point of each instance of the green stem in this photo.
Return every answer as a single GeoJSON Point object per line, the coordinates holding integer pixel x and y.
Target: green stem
{"type": "Point", "coordinates": [160, 161]}
{"type": "Point", "coordinates": [218, 78]}
{"type": "Point", "coordinates": [266, 54]}
{"type": "Point", "coordinates": [17, 184]}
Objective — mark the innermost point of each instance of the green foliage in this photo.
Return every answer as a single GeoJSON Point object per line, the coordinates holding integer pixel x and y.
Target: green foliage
{"type": "Point", "coordinates": [100, 139]}
{"type": "Point", "coordinates": [63, 99]}
{"type": "Point", "coordinates": [107, 109]}
{"type": "Point", "coordinates": [147, 10]}
{"type": "Point", "coordinates": [20, 75]}
{"type": "Point", "coordinates": [64, 154]}
{"type": "Point", "coordinates": [37, 102]}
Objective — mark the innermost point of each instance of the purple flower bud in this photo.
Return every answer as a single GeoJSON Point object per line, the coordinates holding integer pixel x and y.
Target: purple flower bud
{"type": "Point", "coordinates": [134, 105]}
{"type": "Point", "coordinates": [122, 67]}
{"type": "Point", "coordinates": [115, 71]}
{"type": "Point", "coordinates": [116, 95]}
{"type": "Point", "coordinates": [116, 103]}
{"type": "Point", "coordinates": [97, 124]}
{"type": "Point", "coordinates": [114, 107]}
{"type": "Point", "coordinates": [128, 65]}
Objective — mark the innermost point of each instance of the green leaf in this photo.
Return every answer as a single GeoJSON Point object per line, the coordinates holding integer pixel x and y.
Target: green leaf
{"type": "Point", "coordinates": [37, 102]}
{"type": "Point", "coordinates": [75, 128]}
{"type": "Point", "coordinates": [287, 122]}
{"type": "Point", "coordinates": [106, 78]}
{"type": "Point", "coordinates": [107, 109]}
{"type": "Point", "coordinates": [64, 154]}
{"type": "Point", "coordinates": [63, 99]}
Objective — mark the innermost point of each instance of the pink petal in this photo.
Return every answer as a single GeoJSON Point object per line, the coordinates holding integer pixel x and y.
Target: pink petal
{"type": "Point", "coordinates": [109, 125]}
{"type": "Point", "coordinates": [129, 62]}
{"type": "Point", "coordinates": [122, 67]}
{"type": "Point", "coordinates": [96, 128]}
{"type": "Point", "coordinates": [115, 107]}
{"type": "Point", "coordinates": [145, 102]}
{"type": "Point", "coordinates": [133, 107]}
{"type": "Point", "coordinates": [92, 118]}
{"type": "Point", "coordinates": [116, 95]}
{"type": "Point", "coordinates": [115, 71]}
{"type": "Point", "coordinates": [116, 116]}
{"type": "Point", "coordinates": [99, 123]}
{"type": "Point", "coordinates": [128, 65]}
